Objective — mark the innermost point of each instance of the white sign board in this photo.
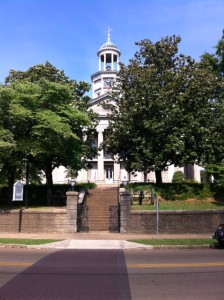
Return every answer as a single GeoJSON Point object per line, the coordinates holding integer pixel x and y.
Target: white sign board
{"type": "Point", "coordinates": [17, 191]}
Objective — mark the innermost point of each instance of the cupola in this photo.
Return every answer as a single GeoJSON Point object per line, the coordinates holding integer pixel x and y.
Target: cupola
{"type": "Point", "coordinates": [109, 58]}
{"type": "Point", "coordinates": [109, 55]}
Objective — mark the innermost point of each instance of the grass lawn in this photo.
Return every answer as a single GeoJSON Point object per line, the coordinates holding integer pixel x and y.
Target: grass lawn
{"type": "Point", "coordinates": [22, 207]}
{"type": "Point", "coordinates": [153, 242]}
{"type": "Point", "coordinates": [181, 205]}
{"type": "Point", "coordinates": [175, 242]}
{"type": "Point", "coordinates": [26, 241]}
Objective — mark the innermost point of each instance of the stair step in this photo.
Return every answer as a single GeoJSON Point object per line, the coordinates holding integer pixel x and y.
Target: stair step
{"type": "Point", "coordinates": [99, 202]}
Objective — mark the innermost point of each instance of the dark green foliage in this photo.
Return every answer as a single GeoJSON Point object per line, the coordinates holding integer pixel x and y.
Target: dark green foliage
{"type": "Point", "coordinates": [184, 191]}
{"type": "Point", "coordinates": [42, 116]}
{"type": "Point", "coordinates": [175, 191]}
{"type": "Point", "coordinates": [164, 111]}
{"type": "Point", "coordinates": [178, 176]}
{"type": "Point", "coordinates": [43, 195]}
{"type": "Point", "coordinates": [205, 178]}
{"type": "Point", "coordinates": [217, 171]}
{"type": "Point", "coordinates": [218, 190]}
{"type": "Point", "coordinates": [215, 63]}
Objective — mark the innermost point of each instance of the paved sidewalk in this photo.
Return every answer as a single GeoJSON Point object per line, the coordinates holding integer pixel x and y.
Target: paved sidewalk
{"type": "Point", "coordinates": [95, 244]}
{"type": "Point", "coordinates": [97, 240]}
{"type": "Point", "coordinates": [100, 235]}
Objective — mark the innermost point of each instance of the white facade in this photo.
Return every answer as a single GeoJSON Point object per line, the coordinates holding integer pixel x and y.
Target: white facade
{"type": "Point", "coordinates": [103, 170]}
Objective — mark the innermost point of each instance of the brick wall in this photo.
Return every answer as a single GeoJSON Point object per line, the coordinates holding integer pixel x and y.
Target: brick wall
{"type": "Point", "coordinates": [176, 222]}
{"type": "Point", "coordinates": [60, 220]}
{"type": "Point", "coordinates": [33, 220]}
{"type": "Point", "coordinates": [64, 220]}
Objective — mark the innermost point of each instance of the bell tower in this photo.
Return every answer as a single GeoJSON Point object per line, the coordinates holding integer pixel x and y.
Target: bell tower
{"type": "Point", "coordinates": [108, 58]}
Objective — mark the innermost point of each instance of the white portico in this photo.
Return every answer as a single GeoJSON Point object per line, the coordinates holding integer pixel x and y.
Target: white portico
{"type": "Point", "coordinates": [102, 169]}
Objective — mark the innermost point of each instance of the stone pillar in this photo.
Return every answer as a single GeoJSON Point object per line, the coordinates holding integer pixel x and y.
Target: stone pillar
{"type": "Point", "coordinates": [117, 173]}
{"type": "Point", "coordinates": [125, 208]}
{"type": "Point", "coordinates": [72, 201]}
{"type": "Point", "coordinates": [100, 172]}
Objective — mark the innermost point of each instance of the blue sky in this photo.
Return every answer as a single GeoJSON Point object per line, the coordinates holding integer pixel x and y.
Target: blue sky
{"type": "Point", "coordinates": [68, 33]}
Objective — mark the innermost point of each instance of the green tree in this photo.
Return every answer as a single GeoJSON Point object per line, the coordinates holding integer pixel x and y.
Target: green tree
{"type": "Point", "coordinates": [45, 118]}
{"type": "Point", "coordinates": [49, 72]}
{"type": "Point", "coordinates": [216, 171]}
{"type": "Point", "coordinates": [7, 146]}
{"type": "Point", "coordinates": [164, 112]}
{"type": "Point", "coordinates": [215, 62]}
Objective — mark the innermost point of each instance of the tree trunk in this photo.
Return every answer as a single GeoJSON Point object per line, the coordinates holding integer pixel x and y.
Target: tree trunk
{"type": "Point", "coordinates": [158, 174]}
{"type": "Point", "coordinates": [49, 178]}
{"type": "Point", "coordinates": [11, 181]}
{"type": "Point", "coordinates": [145, 176]}
{"type": "Point", "coordinates": [48, 173]}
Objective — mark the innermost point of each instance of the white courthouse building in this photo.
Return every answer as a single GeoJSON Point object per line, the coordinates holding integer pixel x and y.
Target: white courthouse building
{"type": "Point", "coordinates": [103, 170]}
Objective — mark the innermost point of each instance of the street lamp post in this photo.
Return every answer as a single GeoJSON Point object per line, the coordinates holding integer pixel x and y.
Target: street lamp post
{"type": "Point", "coordinates": [72, 182]}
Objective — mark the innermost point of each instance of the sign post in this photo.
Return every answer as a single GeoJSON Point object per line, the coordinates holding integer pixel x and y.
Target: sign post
{"type": "Point", "coordinates": [17, 191]}
{"type": "Point", "coordinates": [157, 217]}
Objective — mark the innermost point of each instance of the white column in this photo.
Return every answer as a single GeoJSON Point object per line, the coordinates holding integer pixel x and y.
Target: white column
{"type": "Point", "coordinates": [104, 66]}
{"type": "Point", "coordinates": [118, 66]}
{"type": "Point", "coordinates": [197, 174]}
{"type": "Point", "coordinates": [112, 61]}
{"type": "Point", "coordinates": [82, 176]}
{"type": "Point", "coordinates": [100, 158]}
{"type": "Point", "coordinates": [99, 62]}
{"type": "Point", "coordinates": [117, 173]}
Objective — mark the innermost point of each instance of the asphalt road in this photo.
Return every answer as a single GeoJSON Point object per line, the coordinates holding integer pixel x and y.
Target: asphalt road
{"type": "Point", "coordinates": [111, 274]}
{"type": "Point", "coordinates": [176, 274]}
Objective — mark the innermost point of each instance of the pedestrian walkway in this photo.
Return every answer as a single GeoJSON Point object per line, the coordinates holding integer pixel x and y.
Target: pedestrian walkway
{"type": "Point", "coordinates": [97, 240]}
{"type": "Point", "coordinates": [94, 244]}
{"type": "Point", "coordinates": [99, 235]}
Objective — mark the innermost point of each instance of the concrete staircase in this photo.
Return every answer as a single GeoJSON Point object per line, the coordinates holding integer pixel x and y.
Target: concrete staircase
{"type": "Point", "coordinates": [99, 201]}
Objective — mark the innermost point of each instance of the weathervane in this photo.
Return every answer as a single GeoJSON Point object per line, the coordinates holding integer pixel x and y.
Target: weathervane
{"type": "Point", "coordinates": [108, 34]}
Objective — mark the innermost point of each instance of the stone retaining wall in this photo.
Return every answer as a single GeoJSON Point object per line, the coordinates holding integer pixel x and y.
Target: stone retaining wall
{"type": "Point", "coordinates": [169, 222]}
{"type": "Point", "coordinates": [60, 220]}
{"type": "Point", "coordinates": [175, 222]}
{"type": "Point", "coordinates": [33, 220]}
{"type": "Point", "coordinates": [64, 220]}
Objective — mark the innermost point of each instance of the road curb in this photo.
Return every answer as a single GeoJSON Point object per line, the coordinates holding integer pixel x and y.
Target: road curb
{"type": "Point", "coordinates": [124, 246]}
{"type": "Point", "coordinates": [182, 247]}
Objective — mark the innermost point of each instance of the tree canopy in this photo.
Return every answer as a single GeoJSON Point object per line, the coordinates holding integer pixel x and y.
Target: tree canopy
{"type": "Point", "coordinates": [165, 109]}
{"type": "Point", "coordinates": [215, 62]}
{"type": "Point", "coordinates": [42, 118]}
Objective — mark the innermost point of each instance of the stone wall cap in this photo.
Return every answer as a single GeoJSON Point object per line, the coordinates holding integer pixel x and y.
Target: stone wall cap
{"type": "Point", "coordinates": [45, 210]}
{"type": "Point", "coordinates": [72, 193]}
{"type": "Point", "coordinates": [176, 212]}
{"type": "Point", "coordinates": [125, 193]}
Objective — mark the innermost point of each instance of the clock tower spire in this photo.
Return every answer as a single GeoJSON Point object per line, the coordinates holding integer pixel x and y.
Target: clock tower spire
{"type": "Point", "coordinates": [108, 59]}
{"type": "Point", "coordinates": [108, 34]}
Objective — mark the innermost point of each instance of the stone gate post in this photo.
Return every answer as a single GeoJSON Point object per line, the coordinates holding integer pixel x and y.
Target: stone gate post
{"type": "Point", "coordinates": [72, 202]}
{"type": "Point", "coordinates": [125, 207]}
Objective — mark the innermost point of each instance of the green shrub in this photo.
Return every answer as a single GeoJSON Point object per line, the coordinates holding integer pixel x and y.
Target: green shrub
{"type": "Point", "coordinates": [43, 195]}
{"type": "Point", "coordinates": [176, 191]}
{"type": "Point", "coordinates": [178, 176]}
